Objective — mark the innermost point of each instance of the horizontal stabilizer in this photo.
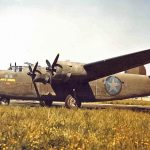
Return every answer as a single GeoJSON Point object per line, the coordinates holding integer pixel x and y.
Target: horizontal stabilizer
{"type": "Point", "coordinates": [138, 70]}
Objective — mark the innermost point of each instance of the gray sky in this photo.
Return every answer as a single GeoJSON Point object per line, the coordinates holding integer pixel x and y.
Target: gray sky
{"type": "Point", "coordinates": [83, 31]}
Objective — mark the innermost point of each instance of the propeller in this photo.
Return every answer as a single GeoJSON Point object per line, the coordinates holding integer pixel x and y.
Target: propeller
{"type": "Point", "coordinates": [51, 68]}
{"type": "Point", "coordinates": [33, 75]}
{"type": "Point", "coordinates": [32, 71]}
{"type": "Point", "coordinates": [47, 77]}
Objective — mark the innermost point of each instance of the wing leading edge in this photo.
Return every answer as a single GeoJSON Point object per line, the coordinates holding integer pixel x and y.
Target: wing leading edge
{"type": "Point", "coordinates": [114, 65]}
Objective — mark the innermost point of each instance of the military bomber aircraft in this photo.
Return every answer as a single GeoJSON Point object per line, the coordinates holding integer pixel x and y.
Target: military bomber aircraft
{"type": "Point", "coordinates": [76, 82]}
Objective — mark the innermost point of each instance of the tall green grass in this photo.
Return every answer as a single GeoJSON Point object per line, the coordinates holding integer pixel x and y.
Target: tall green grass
{"type": "Point", "coordinates": [60, 128]}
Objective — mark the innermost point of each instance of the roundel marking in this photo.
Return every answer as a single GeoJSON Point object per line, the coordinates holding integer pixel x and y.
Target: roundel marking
{"type": "Point", "coordinates": [113, 85]}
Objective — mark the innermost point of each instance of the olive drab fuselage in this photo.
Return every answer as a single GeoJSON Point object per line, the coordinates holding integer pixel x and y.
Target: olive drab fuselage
{"type": "Point", "coordinates": [76, 82]}
{"type": "Point", "coordinates": [18, 85]}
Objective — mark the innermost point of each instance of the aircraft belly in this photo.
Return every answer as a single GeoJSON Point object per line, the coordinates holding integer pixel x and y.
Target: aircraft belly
{"type": "Point", "coordinates": [121, 86]}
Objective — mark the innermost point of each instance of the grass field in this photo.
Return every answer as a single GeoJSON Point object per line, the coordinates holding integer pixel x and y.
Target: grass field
{"type": "Point", "coordinates": [60, 128]}
{"type": "Point", "coordinates": [129, 102]}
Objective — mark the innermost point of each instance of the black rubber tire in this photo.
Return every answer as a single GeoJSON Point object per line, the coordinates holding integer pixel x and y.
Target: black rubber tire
{"type": "Point", "coordinates": [48, 103]}
{"type": "Point", "coordinates": [45, 101]}
{"type": "Point", "coordinates": [71, 102]}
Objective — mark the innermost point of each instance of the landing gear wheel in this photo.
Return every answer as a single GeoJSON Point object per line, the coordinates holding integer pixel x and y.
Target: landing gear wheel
{"type": "Point", "coordinates": [4, 101]}
{"type": "Point", "coordinates": [71, 102]}
{"type": "Point", "coordinates": [42, 103]}
{"type": "Point", "coordinates": [48, 103]}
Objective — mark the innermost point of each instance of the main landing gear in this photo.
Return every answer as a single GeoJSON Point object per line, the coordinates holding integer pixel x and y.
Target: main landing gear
{"type": "Point", "coordinates": [45, 101]}
{"type": "Point", "coordinates": [72, 101]}
{"type": "Point", "coordinates": [4, 101]}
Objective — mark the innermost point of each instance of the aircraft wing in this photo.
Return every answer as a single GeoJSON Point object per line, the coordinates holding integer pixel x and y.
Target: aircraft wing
{"type": "Point", "coordinates": [114, 65]}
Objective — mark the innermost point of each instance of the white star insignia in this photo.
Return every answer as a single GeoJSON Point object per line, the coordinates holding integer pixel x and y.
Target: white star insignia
{"type": "Point", "coordinates": [113, 85]}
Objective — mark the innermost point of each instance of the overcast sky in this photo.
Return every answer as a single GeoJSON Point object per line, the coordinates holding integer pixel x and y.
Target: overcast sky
{"type": "Point", "coordinates": [82, 31]}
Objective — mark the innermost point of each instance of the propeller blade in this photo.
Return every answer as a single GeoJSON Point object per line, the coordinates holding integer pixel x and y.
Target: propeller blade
{"type": "Point", "coordinates": [58, 65]}
{"type": "Point", "coordinates": [48, 63]}
{"type": "Point", "coordinates": [35, 67]}
{"type": "Point", "coordinates": [55, 61]}
{"type": "Point", "coordinates": [50, 79]}
{"type": "Point", "coordinates": [38, 71]}
{"type": "Point", "coordinates": [30, 69]}
{"type": "Point", "coordinates": [51, 68]}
